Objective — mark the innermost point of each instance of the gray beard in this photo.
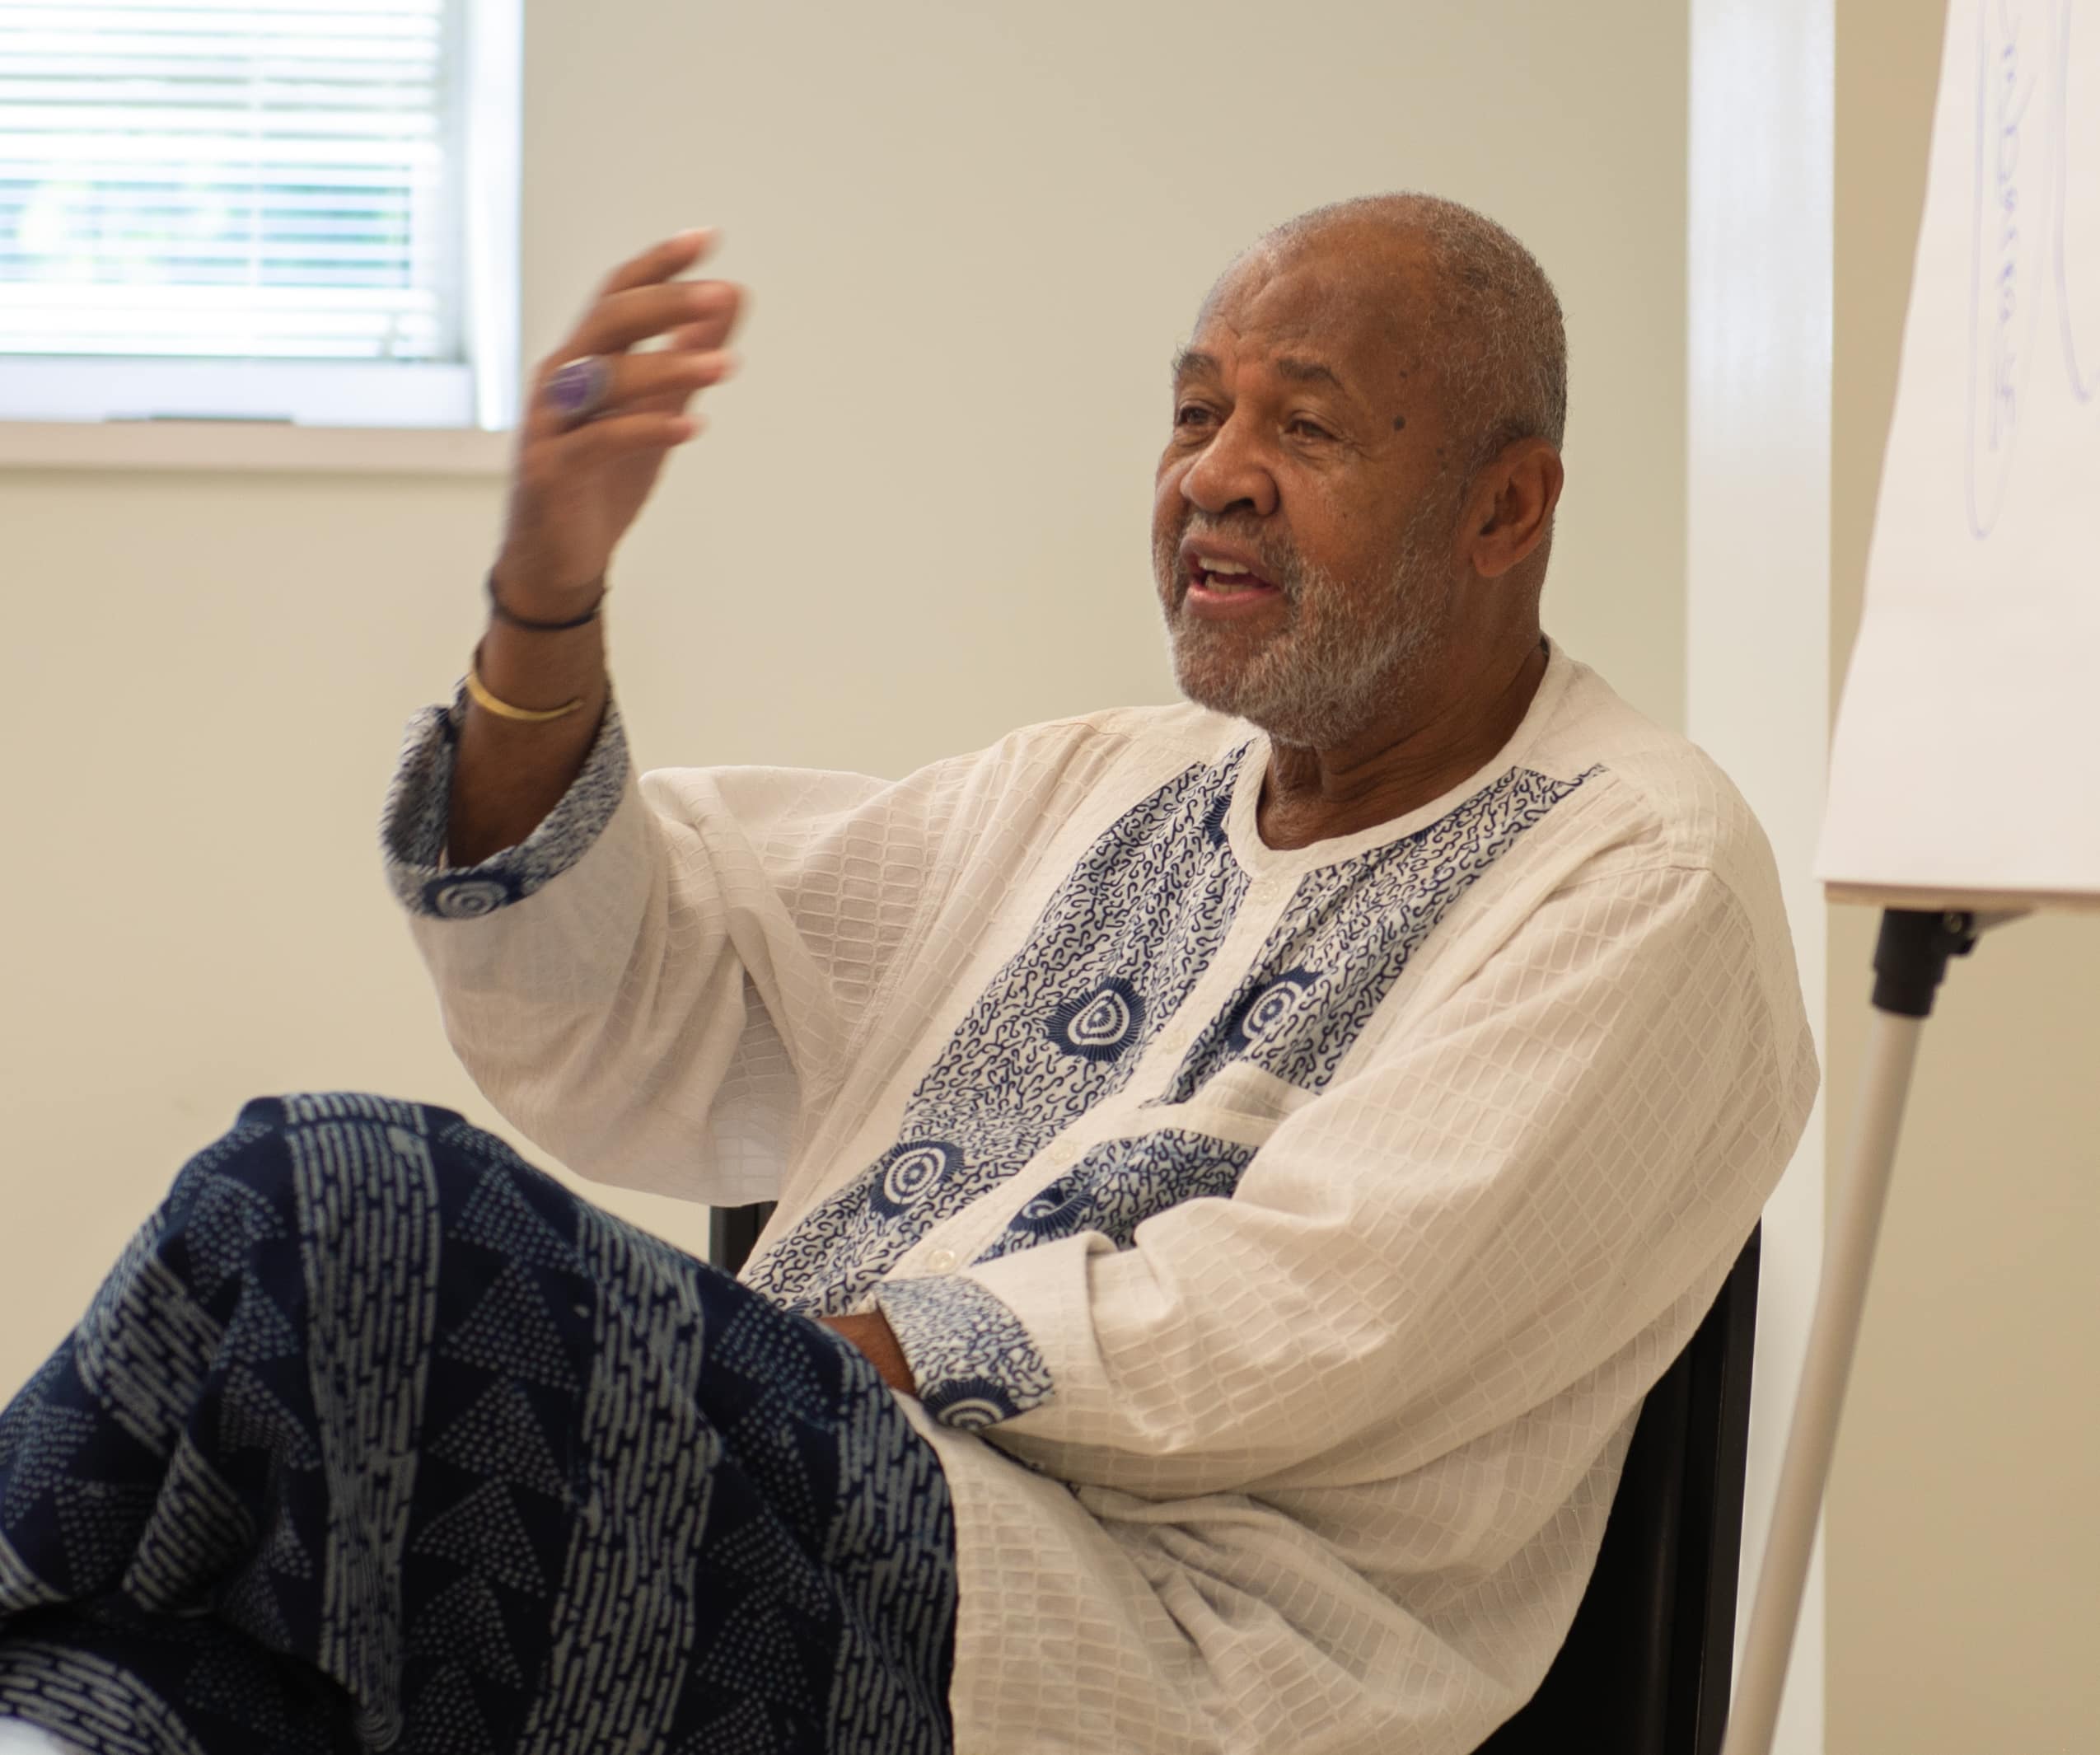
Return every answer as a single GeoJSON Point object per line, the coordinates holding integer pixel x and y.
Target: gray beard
{"type": "Point", "coordinates": [1336, 668]}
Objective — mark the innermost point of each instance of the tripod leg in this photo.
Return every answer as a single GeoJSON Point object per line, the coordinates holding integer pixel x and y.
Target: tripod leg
{"type": "Point", "coordinates": [1909, 961]}
{"type": "Point", "coordinates": [1840, 1297]}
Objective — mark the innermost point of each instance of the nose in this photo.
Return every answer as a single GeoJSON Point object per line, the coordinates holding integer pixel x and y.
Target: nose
{"type": "Point", "coordinates": [1231, 475]}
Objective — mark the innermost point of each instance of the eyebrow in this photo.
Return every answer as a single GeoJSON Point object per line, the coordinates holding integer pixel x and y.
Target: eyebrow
{"type": "Point", "coordinates": [1193, 362]}
{"type": "Point", "coordinates": [1306, 372]}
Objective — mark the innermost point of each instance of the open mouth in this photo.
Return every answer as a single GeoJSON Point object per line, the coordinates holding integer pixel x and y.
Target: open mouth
{"type": "Point", "coordinates": [1216, 584]}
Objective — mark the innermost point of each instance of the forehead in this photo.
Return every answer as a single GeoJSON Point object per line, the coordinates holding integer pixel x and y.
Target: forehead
{"type": "Point", "coordinates": [1348, 302]}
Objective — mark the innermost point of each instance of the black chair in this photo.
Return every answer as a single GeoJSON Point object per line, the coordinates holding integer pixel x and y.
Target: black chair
{"type": "Point", "coordinates": [1646, 1666]}
{"type": "Point", "coordinates": [731, 1232]}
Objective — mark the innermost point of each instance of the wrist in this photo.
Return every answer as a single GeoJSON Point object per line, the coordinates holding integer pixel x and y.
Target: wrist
{"type": "Point", "coordinates": [870, 1332]}
{"type": "Point", "coordinates": [544, 612]}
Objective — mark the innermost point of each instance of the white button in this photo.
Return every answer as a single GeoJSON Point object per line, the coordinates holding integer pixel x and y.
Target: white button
{"type": "Point", "coordinates": [1064, 1151]}
{"type": "Point", "coordinates": [1264, 893]}
{"type": "Point", "coordinates": [1175, 1040]}
{"type": "Point", "coordinates": [940, 1261]}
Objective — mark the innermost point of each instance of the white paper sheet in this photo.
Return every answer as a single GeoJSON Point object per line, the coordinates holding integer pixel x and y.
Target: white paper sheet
{"type": "Point", "coordinates": [1966, 760]}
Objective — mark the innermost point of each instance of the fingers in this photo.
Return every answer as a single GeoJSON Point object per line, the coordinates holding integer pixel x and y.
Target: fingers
{"type": "Point", "coordinates": [603, 442]}
{"type": "Point", "coordinates": [641, 302]}
{"type": "Point", "coordinates": [668, 379]}
{"type": "Point", "coordinates": [620, 320]}
{"type": "Point", "coordinates": [577, 486]}
{"type": "Point", "coordinates": [674, 256]}
{"type": "Point", "coordinates": [701, 337]}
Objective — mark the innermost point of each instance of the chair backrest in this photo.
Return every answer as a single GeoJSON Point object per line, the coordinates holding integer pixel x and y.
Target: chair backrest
{"type": "Point", "coordinates": [1646, 1666]}
{"type": "Point", "coordinates": [731, 1232]}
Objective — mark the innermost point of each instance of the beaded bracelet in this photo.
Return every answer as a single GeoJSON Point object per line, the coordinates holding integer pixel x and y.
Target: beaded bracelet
{"type": "Point", "coordinates": [496, 609]}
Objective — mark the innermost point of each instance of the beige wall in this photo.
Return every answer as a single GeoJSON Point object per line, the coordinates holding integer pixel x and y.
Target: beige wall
{"type": "Point", "coordinates": [974, 235]}
{"type": "Point", "coordinates": [1963, 1548]}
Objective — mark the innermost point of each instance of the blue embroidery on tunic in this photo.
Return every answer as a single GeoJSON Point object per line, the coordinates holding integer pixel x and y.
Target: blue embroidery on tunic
{"type": "Point", "coordinates": [1057, 1029]}
{"type": "Point", "coordinates": [418, 804]}
{"type": "Point", "coordinates": [1121, 1183]}
{"type": "Point", "coordinates": [1266, 1011]}
{"type": "Point", "coordinates": [909, 1172]}
{"type": "Point", "coordinates": [1118, 947]}
{"type": "Point", "coordinates": [1349, 933]}
{"type": "Point", "coordinates": [971, 1358]}
{"type": "Point", "coordinates": [1102, 1024]}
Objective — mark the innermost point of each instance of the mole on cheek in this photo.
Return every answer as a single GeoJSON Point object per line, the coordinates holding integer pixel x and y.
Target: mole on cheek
{"type": "Point", "coordinates": [1398, 422]}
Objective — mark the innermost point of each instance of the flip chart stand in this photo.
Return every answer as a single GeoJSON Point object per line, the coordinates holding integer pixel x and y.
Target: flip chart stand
{"type": "Point", "coordinates": [1910, 961]}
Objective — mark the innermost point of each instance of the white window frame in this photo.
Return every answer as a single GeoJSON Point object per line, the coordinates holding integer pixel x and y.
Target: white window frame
{"type": "Point", "coordinates": [358, 416]}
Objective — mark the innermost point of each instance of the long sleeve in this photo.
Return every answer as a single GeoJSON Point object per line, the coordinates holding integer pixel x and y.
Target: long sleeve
{"type": "Point", "coordinates": [652, 984]}
{"type": "Point", "coordinates": [1487, 1209]}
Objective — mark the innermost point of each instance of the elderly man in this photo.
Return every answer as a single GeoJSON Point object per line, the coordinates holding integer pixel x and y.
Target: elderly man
{"type": "Point", "coordinates": [1239, 1166]}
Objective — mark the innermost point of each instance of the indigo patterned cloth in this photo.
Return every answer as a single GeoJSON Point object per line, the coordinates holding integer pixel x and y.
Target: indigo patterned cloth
{"type": "Point", "coordinates": [378, 1438]}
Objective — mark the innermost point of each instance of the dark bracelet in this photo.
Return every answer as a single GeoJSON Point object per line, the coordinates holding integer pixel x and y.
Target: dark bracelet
{"type": "Point", "coordinates": [496, 609]}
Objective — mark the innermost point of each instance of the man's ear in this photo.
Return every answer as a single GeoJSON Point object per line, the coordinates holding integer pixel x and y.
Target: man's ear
{"type": "Point", "coordinates": [1510, 510]}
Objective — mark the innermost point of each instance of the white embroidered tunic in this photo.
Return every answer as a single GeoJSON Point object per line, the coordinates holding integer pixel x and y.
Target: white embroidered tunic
{"type": "Point", "coordinates": [1283, 1241]}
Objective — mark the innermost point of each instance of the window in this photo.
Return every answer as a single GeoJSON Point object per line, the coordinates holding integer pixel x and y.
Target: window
{"type": "Point", "coordinates": [292, 210]}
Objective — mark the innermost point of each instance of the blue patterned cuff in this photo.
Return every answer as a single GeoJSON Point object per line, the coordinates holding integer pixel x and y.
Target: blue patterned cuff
{"type": "Point", "coordinates": [972, 1359]}
{"type": "Point", "coordinates": [419, 806]}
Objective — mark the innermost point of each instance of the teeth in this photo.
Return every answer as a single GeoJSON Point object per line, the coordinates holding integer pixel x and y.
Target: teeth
{"type": "Point", "coordinates": [1225, 566]}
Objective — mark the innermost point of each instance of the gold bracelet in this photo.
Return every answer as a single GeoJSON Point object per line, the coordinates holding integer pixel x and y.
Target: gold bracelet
{"type": "Point", "coordinates": [503, 709]}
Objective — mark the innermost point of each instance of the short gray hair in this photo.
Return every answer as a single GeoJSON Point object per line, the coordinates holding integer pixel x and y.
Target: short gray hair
{"type": "Point", "coordinates": [1502, 355]}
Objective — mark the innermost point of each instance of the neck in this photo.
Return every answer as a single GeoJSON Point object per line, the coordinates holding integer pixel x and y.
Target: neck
{"type": "Point", "coordinates": [1312, 795]}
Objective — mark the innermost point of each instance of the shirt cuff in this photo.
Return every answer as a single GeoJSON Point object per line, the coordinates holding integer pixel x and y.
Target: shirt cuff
{"type": "Point", "coordinates": [418, 809]}
{"type": "Point", "coordinates": [971, 1357]}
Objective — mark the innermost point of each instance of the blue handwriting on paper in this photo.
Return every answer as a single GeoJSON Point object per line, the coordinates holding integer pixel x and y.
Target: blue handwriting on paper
{"type": "Point", "coordinates": [2026, 195]}
{"type": "Point", "coordinates": [2067, 164]}
{"type": "Point", "coordinates": [2002, 283]}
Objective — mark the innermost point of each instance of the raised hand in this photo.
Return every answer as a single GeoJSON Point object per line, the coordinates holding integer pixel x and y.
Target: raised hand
{"type": "Point", "coordinates": [582, 474]}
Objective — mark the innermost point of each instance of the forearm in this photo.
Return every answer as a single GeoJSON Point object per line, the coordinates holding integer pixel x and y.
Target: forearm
{"type": "Point", "coordinates": [508, 775]}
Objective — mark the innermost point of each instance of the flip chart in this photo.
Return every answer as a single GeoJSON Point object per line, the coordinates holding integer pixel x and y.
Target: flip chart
{"type": "Point", "coordinates": [1965, 763]}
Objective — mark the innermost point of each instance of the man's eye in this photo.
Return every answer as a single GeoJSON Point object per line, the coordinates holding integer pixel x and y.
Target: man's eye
{"type": "Point", "coordinates": [1191, 414]}
{"type": "Point", "coordinates": [1309, 429]}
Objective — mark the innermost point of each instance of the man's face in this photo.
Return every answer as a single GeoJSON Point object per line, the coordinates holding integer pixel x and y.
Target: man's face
{"type": "Point", "coordinates": [1306, 449]}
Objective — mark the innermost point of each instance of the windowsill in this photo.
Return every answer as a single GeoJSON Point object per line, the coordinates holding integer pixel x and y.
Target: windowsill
{"type": "Point", "coordinates": [273, 445]}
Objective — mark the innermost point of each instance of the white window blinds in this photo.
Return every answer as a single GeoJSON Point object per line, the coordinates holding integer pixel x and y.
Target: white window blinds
{"type": "Point", "coordinates": [291, 181]}
{"type": "Point", "coordinates": [187, 179]}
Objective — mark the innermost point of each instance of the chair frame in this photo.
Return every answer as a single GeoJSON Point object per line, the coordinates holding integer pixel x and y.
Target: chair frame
{"type": "Point", "coordinates": [1646, 1665]}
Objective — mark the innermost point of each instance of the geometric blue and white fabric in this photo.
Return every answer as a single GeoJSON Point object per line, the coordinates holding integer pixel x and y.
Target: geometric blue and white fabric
{"type": "Point", "coordinates": [378, 1438]}
{"type": "Point", "coordinates": [1062, 1026]}
{"type": "Point", "coordinates": [1058, 1028]}
{"type": "Point", "coordinates": [1347, 934]}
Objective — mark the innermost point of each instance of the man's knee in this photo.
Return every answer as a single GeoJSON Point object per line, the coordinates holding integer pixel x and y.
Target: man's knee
{"type": "Point", "coordinates": [318, 1159]}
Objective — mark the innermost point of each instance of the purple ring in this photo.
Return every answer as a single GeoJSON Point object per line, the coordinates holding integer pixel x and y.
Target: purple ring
{"type": "Point", "coordinates": [578, 388]}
